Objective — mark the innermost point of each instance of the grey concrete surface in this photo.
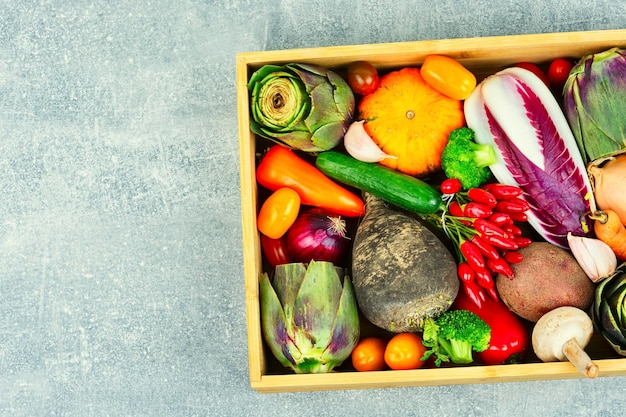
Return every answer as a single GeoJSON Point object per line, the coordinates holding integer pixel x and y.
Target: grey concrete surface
{"type": "Point", "coordinates": [121, 289]}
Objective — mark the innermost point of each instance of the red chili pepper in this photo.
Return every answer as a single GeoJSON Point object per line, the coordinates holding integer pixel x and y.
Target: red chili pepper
{"type": "Point", "coordinates": [465, 272]}
{"type": "Point", "coordinates": [486, 249]}
{"type": "Point", "coordinates": [493, 293]}
{"type": "Point", "coordinates": [275, 250]}
{"type": "Point", "coordinates": [476, 210]}
{"type": "Point", "coordinates": [485, 227]}
{"type": "Point", "coordinates": [519, 217]}
{"type": "Point", "coordinates": [480, 195]}
{"type": "Point", "coordinates": [514, 205]}
{"type": "Point", "coordinates": [513, 257]}
{"type": "Point", "coordinates": [512, 229]}
{"type": "Point", "coordinates": [500, 266]}
{"type": "Point", "coordinates": [472, 255]}
{"type": "Point", "coordinates": [472, 294]}
{"type": "Point", "coordinates": [484, 278]}
{"type": "Point", "coordinates": [503, 191]}
{"type": "Point", "coordinates": [522, 241]}
{"type": "Point", "coordinates": [500, 219]}
{"type": "Point", "coordinates": [509, 338]}
{"type": "Point", "coordinates": [501, 242]}
{"type": "Point", "coordinates": [456, 210]}
{"type": "Point", "coordinates": [450, 186]}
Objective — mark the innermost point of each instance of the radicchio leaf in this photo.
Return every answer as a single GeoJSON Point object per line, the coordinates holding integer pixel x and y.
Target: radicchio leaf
{"type": "Point", "coordinates": [555, 192]}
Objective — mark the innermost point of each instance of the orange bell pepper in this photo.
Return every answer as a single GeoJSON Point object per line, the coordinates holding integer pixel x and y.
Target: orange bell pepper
{"type": "Point", "coordinates": [281, 167]}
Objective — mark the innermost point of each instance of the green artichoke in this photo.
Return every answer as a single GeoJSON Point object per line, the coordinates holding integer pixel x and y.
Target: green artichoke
{"type": "Point", "coordinates": [309, 316]}
{"type": "Point", "coordinates": [595, 103]}
{"type": "Point", "coordinates": [303, 106]}
{"type": "Point", "coordinates": [609, 310]}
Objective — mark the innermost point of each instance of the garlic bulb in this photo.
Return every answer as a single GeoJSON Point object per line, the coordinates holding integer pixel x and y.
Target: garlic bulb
{"type": "Point", "coordinates": [594, 256]}
{"type": "Point", "coordinates": [361, 146]}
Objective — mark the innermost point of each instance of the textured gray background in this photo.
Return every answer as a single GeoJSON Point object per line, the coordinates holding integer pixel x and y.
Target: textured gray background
{"type": "Point", "coordinates": [121, 290]}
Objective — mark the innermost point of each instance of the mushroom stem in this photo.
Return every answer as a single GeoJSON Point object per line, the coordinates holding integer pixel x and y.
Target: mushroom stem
{"type": "Point", "coordinates": [579, 358]}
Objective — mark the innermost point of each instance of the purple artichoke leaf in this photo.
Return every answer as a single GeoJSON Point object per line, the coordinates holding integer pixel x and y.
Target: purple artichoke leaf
{"type": "Point", "coordinates": [616, 298]}
{"type": "Point", "coordinates": [610, 325]}
{"type": "Point", "coordinates": [287, 281]}
{"type": "Point", "coordinates": [615, 285]}
{"type": "Point", "coordinates": [619, 307]}
{"type": "Point", "coordinates": [327, 134]}
{"type": "Point", "coordinates": [346, 328]}
{"type": "Point", "coordinates": [311, 75]}
{"type": "Point", "coordinates": [297, 139]}
{"type": "Point", "coordinates": [594, 103]}
{"type": "Point", "coordinates": [620, 349]}
{"type": "Point", "coordinates": [323, 108]}
{"type": "Point", "coordinates": [310, 68]}
{"type": "Point", "coordinates": [317, 302]}
{"type": "Point", "coordinates": [274, 324]}
{"type": "Point", "coordinates": [344, 97]}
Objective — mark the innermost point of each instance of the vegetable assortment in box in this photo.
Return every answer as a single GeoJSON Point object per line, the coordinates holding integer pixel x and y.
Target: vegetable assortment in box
{"type": "Point", "coordinates": [386, 188]}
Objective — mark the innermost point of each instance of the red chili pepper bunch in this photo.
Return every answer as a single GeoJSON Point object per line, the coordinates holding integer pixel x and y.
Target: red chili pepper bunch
{"type": "Point", "coordinates": [480, 222]}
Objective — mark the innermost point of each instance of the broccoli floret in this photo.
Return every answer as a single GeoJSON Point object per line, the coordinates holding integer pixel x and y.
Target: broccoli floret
{"type": "Point", "coordinates": [454, 335]}
{"type": "Point", "coordinates": [467, 160]}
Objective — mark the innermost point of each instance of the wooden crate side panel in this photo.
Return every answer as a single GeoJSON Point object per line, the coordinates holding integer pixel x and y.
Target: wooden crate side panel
{"type": "Point", "coordinates": [250, 237]}
{"type": "Point", "coordinates": [433, 377]}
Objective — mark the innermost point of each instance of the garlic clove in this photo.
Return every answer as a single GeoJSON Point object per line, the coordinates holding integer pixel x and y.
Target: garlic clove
{"type": "Point", "coordinates": [361, 146]}
{"type": "Point", "coordinates": [594, 256]}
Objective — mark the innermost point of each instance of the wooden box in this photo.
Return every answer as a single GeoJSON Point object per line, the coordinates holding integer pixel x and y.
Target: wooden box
{"type": "Point", "coordinates": [483, 56]}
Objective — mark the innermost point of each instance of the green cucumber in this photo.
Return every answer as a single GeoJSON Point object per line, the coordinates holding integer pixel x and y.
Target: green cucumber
{"type": "Point", "coordinates": [401, 190]}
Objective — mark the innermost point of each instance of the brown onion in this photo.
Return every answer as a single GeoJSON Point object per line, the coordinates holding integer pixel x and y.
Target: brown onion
{"type": "Point", "coordinates": [608, 177]}
{"type": "Point", "coordinates": [318, 235]}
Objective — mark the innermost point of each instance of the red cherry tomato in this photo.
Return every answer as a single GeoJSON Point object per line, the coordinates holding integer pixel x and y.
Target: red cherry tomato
{"type": "Point", "coordinates": [362, 77]}
{"type": "Point", "coordinates": [558, 71]}
{"type": "Point", "coordinates": [450, 186]}
{"type": "Point", "coordinates": [535, 70]}
{"type": "Point", "coordinates": [275, 250]}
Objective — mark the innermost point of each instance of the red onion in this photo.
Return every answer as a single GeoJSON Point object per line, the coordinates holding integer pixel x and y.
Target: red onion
{"type": "Point", "coordinates": [318, 235]}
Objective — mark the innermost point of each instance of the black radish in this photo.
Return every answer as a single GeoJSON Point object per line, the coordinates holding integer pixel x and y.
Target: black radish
{"type": "Point", "coordinates": [401, 271]}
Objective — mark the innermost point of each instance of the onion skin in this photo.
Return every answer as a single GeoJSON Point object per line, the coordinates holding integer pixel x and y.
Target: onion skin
{"type": "Point", "coordinates": [608, 177]}
{"type": "Point", "coordinates": [318, 235]}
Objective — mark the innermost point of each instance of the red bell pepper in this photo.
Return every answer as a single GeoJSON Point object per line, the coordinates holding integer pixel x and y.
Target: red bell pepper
{"type": "Point", "coordinates": [509, 338]}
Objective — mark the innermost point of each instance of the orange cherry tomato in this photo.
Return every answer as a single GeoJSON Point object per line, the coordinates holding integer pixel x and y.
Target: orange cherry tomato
{"type": "Point", "coordinates": [369, 354]}
{"type": "Point", "coordinates": [278, 212]}
{"type": "Point", "coordinates": [405, 351]}
{"type": "Point", "coordinates": [448, 76]}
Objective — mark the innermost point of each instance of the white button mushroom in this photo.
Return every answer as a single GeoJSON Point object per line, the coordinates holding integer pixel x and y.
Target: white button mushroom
{"type": "Point", "coordinates": [562, 334]}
